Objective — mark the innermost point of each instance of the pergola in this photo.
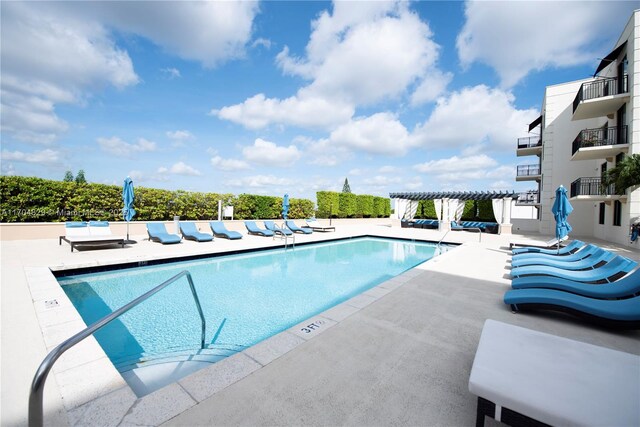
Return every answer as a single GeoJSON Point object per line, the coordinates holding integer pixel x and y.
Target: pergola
{"type": "Point", "coordinates": [460, 195]}
{"type": "Point", "coordinates": [449, 205]}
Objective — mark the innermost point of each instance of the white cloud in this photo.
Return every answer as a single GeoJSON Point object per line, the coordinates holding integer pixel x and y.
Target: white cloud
{"type": "Point", "coordinates": [457, 172]}
{"type": "Point", "coordinates": [179, 137]}
{"type": "Point", "coordinates": [474, 115]}
{"type": "Point", "coordinates": [73, 56]}
{"type": "Point", "coordinates": [431, 87]}
{"type": "Point", "coordinates": [171, 73]}
{"type": "Point", "coordinates": [259, 181]}
{"type": "Point", "coordinates": [180, 168]}
{"type": "Point", "coordinates": [303, 110]}
{"type": "Point", "coordinates": [228, 164]}
{"type": "Point", "coordinates": [355, 172]}
{"type": "Point", "coordinates": [380, 133]}
{"type": "Point", "coordinates": [362, 53]}
{"type": "Point", "coordinates": [47, 156]}
{"type": "Point", "coordinates": [210, 32]}
{"type": "Point", "coordinates": [268, 153]}
{"type": "Point", "coordinates": [266, 43]}
{"type": "Point", "coordinates": [76, 53]}
{"type": "Point", "coordinates": [516, 38]}
{"type": "Point", "coordinates": [120, 148]}
{"type": "Point", "coordinates": [324, 153]}
{"type": "Point", "coordinates": [137, 176]}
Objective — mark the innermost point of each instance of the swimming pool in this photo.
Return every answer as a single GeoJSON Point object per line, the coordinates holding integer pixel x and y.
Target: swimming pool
{"type": "Point", "coordinates": [245, 297]}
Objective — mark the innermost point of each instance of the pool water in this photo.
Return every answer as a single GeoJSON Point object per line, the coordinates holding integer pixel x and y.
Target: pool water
{"type": "Point", "coordinates": [245, 297]}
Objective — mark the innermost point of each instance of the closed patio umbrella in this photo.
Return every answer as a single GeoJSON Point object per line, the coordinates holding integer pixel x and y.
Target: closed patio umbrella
{"type": "Point", "coordinates": [127, 198]}
{"type": "Point", "coordinates": [285, 206]}
{"type": "Point", "coordinates": [561, 210]}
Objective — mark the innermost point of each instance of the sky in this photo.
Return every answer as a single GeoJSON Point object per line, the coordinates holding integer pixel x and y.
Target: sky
{"type": "Point", "coordinates": [292, 97]}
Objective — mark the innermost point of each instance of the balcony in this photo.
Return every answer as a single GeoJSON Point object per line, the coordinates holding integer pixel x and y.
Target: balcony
{"type": "Point", "coordinates": [592, 189]}
{"type": "Point", "coordinates": [530, 198]}
{"type": "Point", "coordinates": [600, 97]}
{"type": "Point", "coordinates": [529, 146]}
{"type": "Point", "coordinates": [528, 173]}
{"type": "Point", "coordinates": [600, 143]}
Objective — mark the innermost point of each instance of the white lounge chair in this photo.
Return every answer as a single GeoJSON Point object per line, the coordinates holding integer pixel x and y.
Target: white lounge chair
{"type": "Point", "coordinates": [521, 375]}
{"type": "Point", "coordinates": [313, 224]}
{"type": "Point", "coordinates": [93, 233]}
{"type": "Point", "coordinates": [537, 243]}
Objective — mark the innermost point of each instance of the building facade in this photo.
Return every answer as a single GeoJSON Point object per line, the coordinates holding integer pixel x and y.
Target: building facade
{"type": "Point", "coordinates": [587, 127]}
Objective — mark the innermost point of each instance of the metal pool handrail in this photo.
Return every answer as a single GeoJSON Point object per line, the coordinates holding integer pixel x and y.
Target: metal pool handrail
{"type": "Point", "coordinates": [37, 386]}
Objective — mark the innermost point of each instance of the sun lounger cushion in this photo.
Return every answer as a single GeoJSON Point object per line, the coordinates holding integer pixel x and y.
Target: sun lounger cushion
{"type": "Point", "coordinates": [293, 227]}
{"type": "Point", "coordinates": [158, 232]}
{"type": "Point", "coordinates": [554, 380]}
{"type": "Point", "coordinates": [625, 287]}
{"type": "Point", "coordinates": [219, 230]}
{"type": "Point", "coordinates": [190, 231]}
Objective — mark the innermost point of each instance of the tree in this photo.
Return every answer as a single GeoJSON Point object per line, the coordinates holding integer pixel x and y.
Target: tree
{"type": "Point", "coordinates": [68, 176]}
{"type": "Point", "coordinates": [345, 187]}
{"type": "Point", "coordinates": [80, 179]}
{"type": "Point", "coordinates": [626, 174]}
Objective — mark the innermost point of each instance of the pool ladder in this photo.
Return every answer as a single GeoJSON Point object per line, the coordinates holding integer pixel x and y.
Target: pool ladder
{"type": "Point", "coordinates": [37, 386]}
{"type": "Point", "coordinates": [286, 238]}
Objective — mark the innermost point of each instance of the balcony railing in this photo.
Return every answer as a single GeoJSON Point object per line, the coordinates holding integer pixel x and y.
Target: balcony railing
{"type": "Point", "coordinates": [529, 198]}
{"type": "Point", "coordinates": [599, 137]}
{"type": "Point", "coordinates": [528, 170]}
{"type": "Point", "coordinates": [601, 87]}
{"type": "Point", "coordinates": [590, 187]}
{"type": "Point", "coordinates": [529, 142]}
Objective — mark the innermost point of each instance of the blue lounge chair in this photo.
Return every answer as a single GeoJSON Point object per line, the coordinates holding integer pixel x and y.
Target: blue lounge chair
{"type": "Point", "coordinates": [617, 313]}
{"type": "Point", "coordinates": [611, 271]}
{"type": "Point", "coordinates": [625, 287]}
{"type": "Point", "coordinates": [252, 228]}
{"type": "Point", "coordinates": [585, 256]}
{"type": "Point", "coordinates": [570, 249]}
{"type": "Point", "coordinates": [190, 231]}
{"type": "Point", "coordinates": [545, 247]}
{"type": "Point", "coordinates": [158, 233]}
{"type": "Point", "coordinates": [270, 225]}
{"type": "Point", "coordinates": [590, 263]}
{"type": "Point", "coordinates": [219, 230]}
{"type": "Point", "coordinates": [293, 227]}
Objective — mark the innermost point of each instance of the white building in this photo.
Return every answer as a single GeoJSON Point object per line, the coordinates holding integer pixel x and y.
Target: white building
{"type": "Point", "coordinates": [585, 128]}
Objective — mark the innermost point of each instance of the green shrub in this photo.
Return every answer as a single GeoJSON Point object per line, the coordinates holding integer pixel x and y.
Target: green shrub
{"type": "Point", "coordinates": [364, 205]}
{"type": "Point", "coordinates": [300, 209]}
{"type": "Point", "coordinates": [348, 205]}
{"type": "Point", "coordinates": [469, 212]}
{"type": "Point", "coordinates": [30, 199]}
{"type": "Point", "coordinates": [328, 204]}
{"type": "Point", "coordinates": [380, 207]}
{"type": "Point", "coordinates": [485, 211]}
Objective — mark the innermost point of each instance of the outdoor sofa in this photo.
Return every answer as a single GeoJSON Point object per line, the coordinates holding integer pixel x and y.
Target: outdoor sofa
{"type": "Point", "coordinates": [92, 233]}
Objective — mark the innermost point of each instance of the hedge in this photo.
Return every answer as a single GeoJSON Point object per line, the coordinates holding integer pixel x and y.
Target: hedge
{"type": "Point", "coordinates": [328, 204]}
{"type": "Point", "coordinates": [348, 205]}
{"type": "Point", "coordinates": [30, 199]}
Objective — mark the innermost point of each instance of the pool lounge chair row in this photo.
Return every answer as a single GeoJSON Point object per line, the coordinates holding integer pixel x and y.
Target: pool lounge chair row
{"type": "Point", "coordinates": [591, 283]}
{"type": "Point", "coordinates": [158, 232]}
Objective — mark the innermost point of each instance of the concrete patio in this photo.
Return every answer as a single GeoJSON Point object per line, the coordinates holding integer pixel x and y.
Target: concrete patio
{"type": "Point", "coordinates": [398, 356]}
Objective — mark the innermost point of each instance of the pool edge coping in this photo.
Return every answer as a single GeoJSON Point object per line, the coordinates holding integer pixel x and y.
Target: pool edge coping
{"type": "Point", "coordinates": [110, 394]}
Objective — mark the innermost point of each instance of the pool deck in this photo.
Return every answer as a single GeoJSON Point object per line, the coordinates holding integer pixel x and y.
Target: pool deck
{"type": "Point", "coordinates": [400, 353]}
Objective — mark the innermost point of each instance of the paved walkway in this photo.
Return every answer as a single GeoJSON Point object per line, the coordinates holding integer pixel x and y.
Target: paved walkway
{"type": "Point", "coordinates": [403, 359]}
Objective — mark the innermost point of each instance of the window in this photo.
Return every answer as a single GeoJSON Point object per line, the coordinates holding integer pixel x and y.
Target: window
{"type": "Point", "coordinates": [619, 158]}
{"type": "Point", "coordinates": [617, 213]}
{"type": "Point", "coordinates": [601, 216]}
